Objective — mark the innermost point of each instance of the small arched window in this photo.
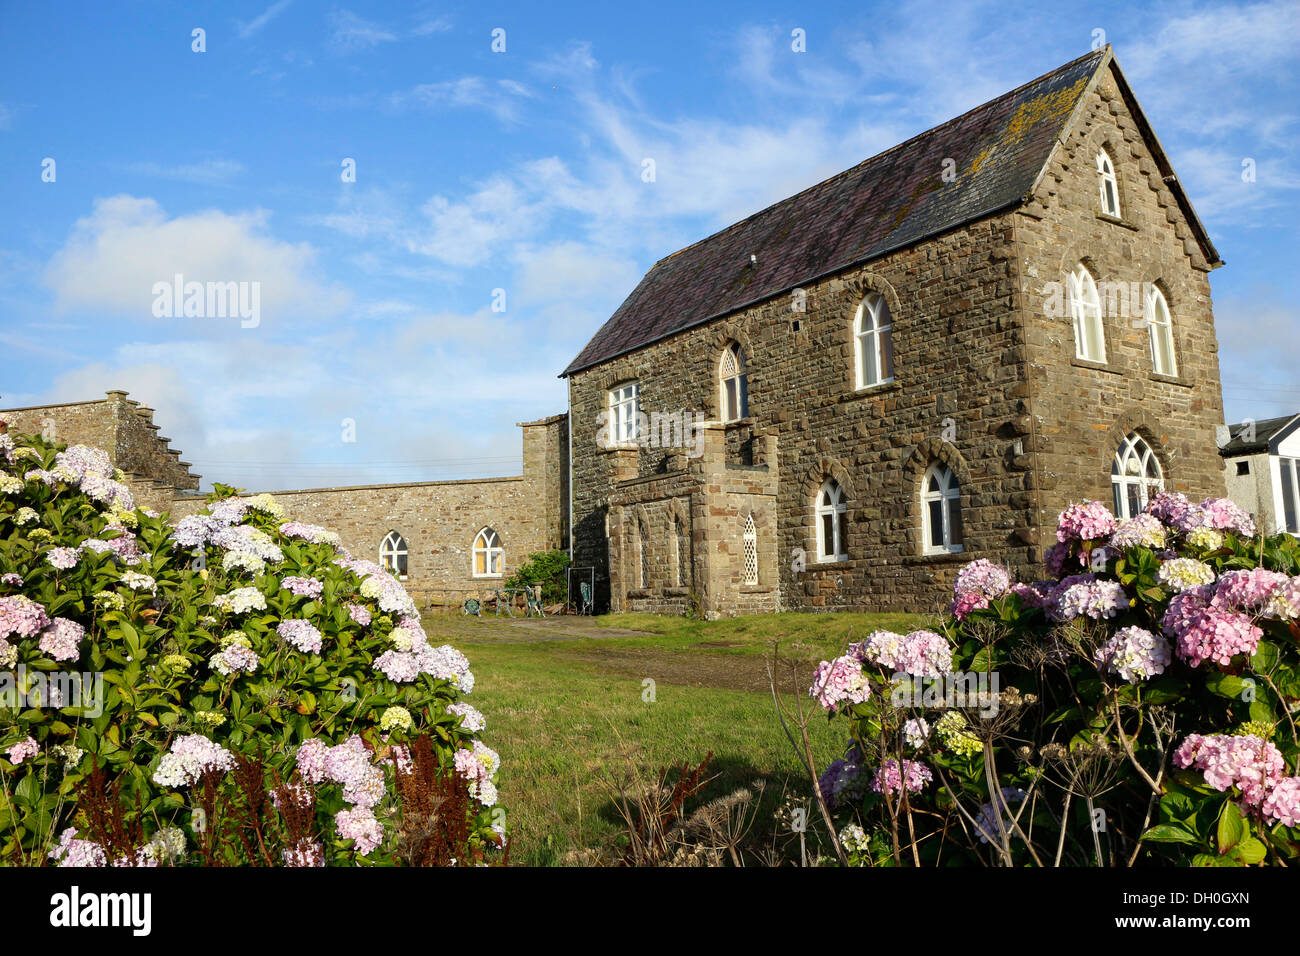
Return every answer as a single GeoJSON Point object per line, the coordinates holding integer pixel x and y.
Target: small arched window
{"type": "Point", "coordinates": [941, 510]}
{"type": "Point", "coordinates": [1108, 184]}
{"type": "Point", "coordinates": [1135, 476]}
{"type": "Point", "coordinates": [831, 511]}
{"type": "Point", "coordinates": [643, 556]}
{"type": "Point", "coordinates": [1085, 309]}
{"type": "Point", "coordinates": [750, 538]}
{"type": "Point", "coordinates": [873, 344]}
{"type": "Point", "coordinates": [683, 547]}
{"type": "Point", "coordinates": [733, 383]}
{"type": "Point", "coordinates": [1161, 326]}
{"type": "Point", "coordinates": [488, 554]}
{"type": "Point", "coordinates": [392, 554]}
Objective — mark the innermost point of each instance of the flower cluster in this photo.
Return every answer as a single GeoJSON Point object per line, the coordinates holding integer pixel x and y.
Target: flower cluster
{"type": "Point", "coordinates": [891, 777]}
{"type": "Point", "coordinates": [303, 587]}
{"type": "Point", "coordinates": [1182, 574]}
{"type": "Point", "coordinates": [301, 634]}
{"type": "Point", "coordinates": [62, 639]}
{"type": "Point", "coordinates": [920, 653]}
{"type": "Point", "coordinates": [977, 584]}
{"type": "Point", "coordinates": [1085, 522]}
{"type": "Point", "coordinates": [1206, 627]}
{"type": "Point", "coordinates": [840, 683]}
{"type": "Point", "coordinates": [1084, 595]}
{"type": "Point", "coordinates": [241, 601]}
{"type": "Point", "coordinates": [1135, 654]}
{"type": "Point", "coordinates": [1251, 764]}
{"type": "Point", "coordinates": [189, 758]}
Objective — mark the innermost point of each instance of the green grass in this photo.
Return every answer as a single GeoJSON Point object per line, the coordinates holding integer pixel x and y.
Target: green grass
{"type": "Point", "coordinates": [564, 714]}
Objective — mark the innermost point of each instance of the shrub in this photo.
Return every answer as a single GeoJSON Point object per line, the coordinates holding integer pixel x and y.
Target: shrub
{"type": "Point", "coordinates": [1138, 706]}
{"type": "Point", "coordinates": [244, 658]}
{"type": "Point", "coordinates": [546, 568]}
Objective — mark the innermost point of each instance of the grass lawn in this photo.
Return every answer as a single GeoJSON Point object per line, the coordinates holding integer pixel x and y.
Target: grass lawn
{"type": "Point", "coordinates": [564, 701]}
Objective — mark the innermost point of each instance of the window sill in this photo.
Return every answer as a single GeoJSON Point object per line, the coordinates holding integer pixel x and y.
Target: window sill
{"type": "Point", "coordinates": [739, 422]}
{"type": "Point", "coordinates": [642, 593]}
{"type": "Point", "coordinates": [487, 577]}
{"type": "Point", "coordinates": [844, 564]}
{"type": "Point", "coordinates": [1096, 366]}
{"type": "Point", "coordinates": [755, 589]}
{"type": "Point", "coordinates": [677, 592]}
{"type": "Point", "coordinates": [939, 557]}
{"type": "Point", "coordinates": [872, 391]}
{"type": "Point", "coordinates": [1170, 380]}
{"type": "Point", "coordinates": [1117, 221]}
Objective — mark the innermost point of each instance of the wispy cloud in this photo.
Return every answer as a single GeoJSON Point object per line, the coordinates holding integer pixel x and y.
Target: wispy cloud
{"type": "Point", "coordinates": [211, 172]}
{"type": "Point", "coordinates": [249, 28]}
{"type": "Point", "coordinates": [350, 33]}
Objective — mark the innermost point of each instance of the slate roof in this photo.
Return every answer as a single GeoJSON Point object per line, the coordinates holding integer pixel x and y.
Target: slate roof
{"type": "Point", "coordinates": [891, 200]}
{"type": "Point", "coordinates": [1266, 429]}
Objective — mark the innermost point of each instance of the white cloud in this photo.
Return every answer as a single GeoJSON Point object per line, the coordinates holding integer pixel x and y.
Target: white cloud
{"type": "Point", "coordinates": [500, 97]}
{"type": "Point", "coordinates": [350, 33]}
{"type": "Point", "coordinates": [115, 255]}
{"type": "Point", "coordinates": [247, 29]}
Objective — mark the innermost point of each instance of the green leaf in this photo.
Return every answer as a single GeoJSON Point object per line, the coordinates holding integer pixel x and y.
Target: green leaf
{"type": "Point", "coordinates": [1232, 827]}
{"type": "Point", "coordinates": [1250, 851]}
{"type": "Point", "coordinates": [1168, 833]}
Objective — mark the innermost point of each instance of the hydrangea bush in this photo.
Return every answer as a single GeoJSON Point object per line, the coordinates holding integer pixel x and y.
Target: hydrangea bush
{"type": "Point", "coordinates": [234, 638]}
{"type": "Point", "coordinates": [1137, 706]}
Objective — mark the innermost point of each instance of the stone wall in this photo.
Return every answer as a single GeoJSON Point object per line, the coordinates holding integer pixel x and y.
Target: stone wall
{"type": "Point", "coordinates": [1080, 410]}
{"type": "Point", "coordinates": [957, 394]}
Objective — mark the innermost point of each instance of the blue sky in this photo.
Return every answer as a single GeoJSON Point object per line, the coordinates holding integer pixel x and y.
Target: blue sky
{"type": "Point", "coordinates": [521, 171]}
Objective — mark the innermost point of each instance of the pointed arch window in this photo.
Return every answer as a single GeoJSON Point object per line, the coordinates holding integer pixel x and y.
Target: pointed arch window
{"type": "Point", "coordinates": [683, 547]}
{"type": "Point", "coordinates": [1108, 184]}
{"type": "Point", "coordinates": [941, 510]}
{"type": "Point", "coordinates": [393, 554]}
{"type": "Point", "coordinates": [750, 538]}
{"type": "Point", "coordinates": [873, 342]}
{"type": "Point", "coordinates": [1085, 310]}
{"type": "Point", "coordinates": [831, 511]}
{"type": "Point", "coordinates": [1161, 327]}
{"type": "Point", "coordinates": [733, 382]}
{"type": "Point", "coordinates": [1135, 476]}
{"type": "Point", "coordinates": [643, 556]}
{"type": "Point", "coordinates": [489, 554]}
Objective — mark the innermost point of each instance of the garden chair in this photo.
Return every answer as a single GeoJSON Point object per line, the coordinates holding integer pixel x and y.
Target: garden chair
{"type": "Point", "coordinates": [473, 606]}
{"type": "Point", "coordinates": [533, 597]}
{"type": "Point", "coordinates": [584, 589]}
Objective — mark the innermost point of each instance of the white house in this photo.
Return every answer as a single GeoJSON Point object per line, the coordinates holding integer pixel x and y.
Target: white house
{"type": "Point", "coordinates": [1261, 462]}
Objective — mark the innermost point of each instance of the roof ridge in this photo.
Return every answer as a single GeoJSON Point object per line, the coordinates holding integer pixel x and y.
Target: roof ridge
{"type": "Point", "coordinates": [1099, 52]}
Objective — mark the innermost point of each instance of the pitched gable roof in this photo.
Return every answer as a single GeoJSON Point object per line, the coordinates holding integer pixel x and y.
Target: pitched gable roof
{"type": "Point", "coordinates": [892, 200]}
{"type": "Point", "coordinates": [1266, 431]}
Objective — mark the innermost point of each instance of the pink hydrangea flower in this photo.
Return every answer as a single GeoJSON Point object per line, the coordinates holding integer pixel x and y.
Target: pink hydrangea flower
{"type": "Point", "coordinates": [23, 750]}
{"type": "Point", "coordinates": [891, 778]}
{"type": "Point", "coordinates": [359, 825]}
{"type": "Point", "coordinates": [1206, 630]}
{"type": "Point", "coordinates": [61, 639]}
{"type": "Point", "coordinates": [1282, 805]}
{"type": "Point", "coordinates": [840, 683]}
{"type": "Point", "coordinates": [303, 587]}
{"type": "Point", "coordinates": [1135, 654]}
{"type": "Point", "coordinates": [1249, 763]}
{"type": "Point", "coordinates": [22, 616]}
{"type": "Point", "coordinates": [301, 634]}
{"type": "Point", "coordinates": [1085, 522]}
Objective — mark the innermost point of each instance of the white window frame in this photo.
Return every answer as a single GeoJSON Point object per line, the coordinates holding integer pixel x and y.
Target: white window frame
{"type": "Point", "coordinates": [837, 509]}
{"type": "Point", "coordinates": [749, 537]}
{"type": "Point", "coordinates": [1129, 470]}
{"type": "Point", "coordinates": [1160, 324]}
{"type": "Point", "coordinates": [1288, 466]}
{"type": "Point", "coordinates": [1110, 204]}
{"type": "Point", "coordinates": [948, 495]}
{"type": "Point", "coordinates": [625, 413]}
{"type": "Point", "coordinates": [1085, 310]}
{"type": "Point", "coordinates": [390, 549]}
{"type": "Point", "coordinates": [733, 384]}
{"type": "Point", "coordinates": [873, 330]}
{"type": "Point", "coordinates": [487, 543]}
{"type": "Point", "coordinates": [642, 556]}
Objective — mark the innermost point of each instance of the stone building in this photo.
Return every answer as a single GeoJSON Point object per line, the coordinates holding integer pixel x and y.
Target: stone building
{"type": "Point", "coordinates": [840, 400]}
{"type": "Point", "coordinates": [914, 363]}
{"type": "Point", "coordinates": [446, 539]}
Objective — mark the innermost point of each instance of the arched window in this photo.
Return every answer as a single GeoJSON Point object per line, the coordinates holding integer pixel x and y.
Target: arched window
{"type": "Point", "coordinates": [733, 383]}
{"type": "Point", "coordinates": [392, 554]}
{"type": "Point", "coordinates": [1161, 327]}
{"type": "Point", "coordinates": [643, 555]}
{"type": "Point", "coordinates": [941, 510]}
{"type": "Point", "coordinates": [1085, 309]}
{"type": "Point", "coordinates": [750, 538]}
{"type": "Point", "coordinates": [488, 554]}
{"type": "Point", "coordinates": [1134, 476]}
{"type": "Point", "coordinates": [683, 546]}
{"type": "Point", "coordinates": [873, 345]}
{"type": "Point", "coordinates": [1108, 184]}
{"type": "Point", "coordinates": [830, 522]}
